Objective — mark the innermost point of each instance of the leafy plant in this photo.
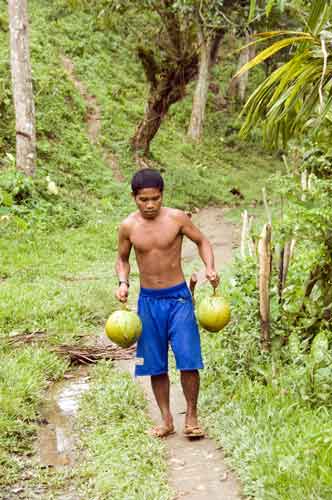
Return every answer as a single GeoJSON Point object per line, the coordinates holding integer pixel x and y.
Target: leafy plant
{"type": "Point", "coordinates": [296, 96]}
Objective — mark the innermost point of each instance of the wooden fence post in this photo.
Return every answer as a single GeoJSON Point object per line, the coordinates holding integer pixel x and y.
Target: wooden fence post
{"type": "Point", "coordinates": [247, 243]}
{"type": "Point", "coordinates": [251, 244]}
{"type": "Point", "coordinates": [266, 206]}
{"type": "Point", "coordinates": [244, 233]}
{"type": "Point", "coordinates": [265, 255]}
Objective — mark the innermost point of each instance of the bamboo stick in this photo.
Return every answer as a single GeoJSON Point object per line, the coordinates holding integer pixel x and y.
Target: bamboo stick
{"type": "Point", "coordinates": [281, 273]}
{"type": "Point", "coordinates": [244, 233]}
{"type": "Point", "coordinates": [286, 258]}
{"type": "Point", "coordinates": [251, 244]}
{"type": "Point", "coordinates": [304, 184]}
{"type": "Point", "coordinates": [292, 246]}
{"type": "Point", "coordinates": [267, 208]}
{"type": "Point", "coordinates": [265, 255]}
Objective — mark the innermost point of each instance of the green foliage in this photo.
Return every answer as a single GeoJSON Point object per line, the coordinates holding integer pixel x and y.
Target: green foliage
{"type": "Point", "coordinates": [296, 96]}
{"type": "Point", "coordinates": [120, 459]}
{"type": "Point", "coordinates": [306, 218]}
{"type": "Point", "coordinates": [269, 412]}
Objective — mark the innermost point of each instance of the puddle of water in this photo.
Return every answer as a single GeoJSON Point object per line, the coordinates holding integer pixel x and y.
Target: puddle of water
{"type": "Point", "coordinates": [68, 399]}
{"type": "Point", "coordinates": [55, 439]}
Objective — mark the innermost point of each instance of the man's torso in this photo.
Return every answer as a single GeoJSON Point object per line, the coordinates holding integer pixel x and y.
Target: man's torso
{"type": "Point", "coordinates": [157, 244]}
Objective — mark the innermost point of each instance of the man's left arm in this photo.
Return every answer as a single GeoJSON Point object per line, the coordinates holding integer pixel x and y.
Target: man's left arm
{"type": "Point", "coordinates": [204, 247]}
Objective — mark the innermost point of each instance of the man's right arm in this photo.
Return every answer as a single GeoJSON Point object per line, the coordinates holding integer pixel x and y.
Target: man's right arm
{"type": "Point", "coordinates": [122, 263]}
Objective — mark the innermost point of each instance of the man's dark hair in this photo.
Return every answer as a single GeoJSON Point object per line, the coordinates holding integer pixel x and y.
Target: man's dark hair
{"type": "Point", "coordinates": [147, 178]}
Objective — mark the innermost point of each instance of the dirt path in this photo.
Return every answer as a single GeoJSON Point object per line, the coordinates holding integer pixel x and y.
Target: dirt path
{"type": "Point", "coordinates": [197, 469]}
{"type": "Point", "coordinates": [93, 118]}
{"type": "Point", "coordinates": [223, 235]}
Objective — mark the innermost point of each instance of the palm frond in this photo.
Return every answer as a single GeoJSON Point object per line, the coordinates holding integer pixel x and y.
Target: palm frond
{"type": "Point", "coordinates": [273, 49]}
{"type": "Point", "coordinates": [298, 94]}
{"type": "Point", "coordinates": [252, 9]}
{"type": "Point", "coordinates": [319, 15]}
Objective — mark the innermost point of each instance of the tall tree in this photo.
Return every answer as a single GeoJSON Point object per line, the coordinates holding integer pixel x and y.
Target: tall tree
{"type": "Point", "coordinates": [170, 66]}
{"type": "Point", "coordinates": [210, 29]}
{"type": "Point", "coordinates": [212, 18]}
{"type": "Point", "coordinates": [22, 86]}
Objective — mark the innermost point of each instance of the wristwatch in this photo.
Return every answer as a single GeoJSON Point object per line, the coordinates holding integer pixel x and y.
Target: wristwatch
{"type": "Point", "coordinates": [124, 281]}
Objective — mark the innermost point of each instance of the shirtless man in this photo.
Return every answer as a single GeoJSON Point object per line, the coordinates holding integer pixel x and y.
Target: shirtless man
{"type": "Point", "coordinates": [165, 304]}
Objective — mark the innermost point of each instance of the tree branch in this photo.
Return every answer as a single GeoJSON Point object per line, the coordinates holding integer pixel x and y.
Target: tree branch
{"type": "Point", "coordinates": [150, 65]}
{"type": "Point", "coordinates": [218, 36]}
{"type": "Point", "coordinates": [172, 25]}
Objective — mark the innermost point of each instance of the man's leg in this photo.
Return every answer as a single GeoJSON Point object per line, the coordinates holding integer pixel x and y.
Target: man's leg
{"type": "Point", "coordinates": [161, 388]}
{"type": "Point", "coordinates": [190, 386]}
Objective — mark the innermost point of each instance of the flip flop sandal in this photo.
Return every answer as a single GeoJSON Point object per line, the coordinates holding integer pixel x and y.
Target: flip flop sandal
{"type": "Point", "coordinates": [161, 432]}
{"type": "Point", "coordinates": [193, 431]}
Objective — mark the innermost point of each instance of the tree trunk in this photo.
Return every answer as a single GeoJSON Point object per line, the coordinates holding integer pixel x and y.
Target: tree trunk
{"type": "Point", "coordinates": [149, 126]}
{"type": "Point", "coordinates": [164, 92]}
{"type": "Point", "coordinates": [167, 86]}
{"type": "Point", "coordinates": [195, 129]}
{"type": "Point", "coordinates": [238, 86]}
{"type": "Point", "coordinates": [22, 86]}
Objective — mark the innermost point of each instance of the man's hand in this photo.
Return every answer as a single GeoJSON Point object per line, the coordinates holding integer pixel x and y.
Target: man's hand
{"type": "Point", "coordinates": [122, 293]}
{"type": "Point", "coordinates": [213, 278]}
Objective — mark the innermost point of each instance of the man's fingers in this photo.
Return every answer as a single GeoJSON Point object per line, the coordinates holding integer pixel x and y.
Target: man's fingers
{"type": "Point", "coordinates": [121, 296]}
{"type": "Point", "coordinates": [214, 279]}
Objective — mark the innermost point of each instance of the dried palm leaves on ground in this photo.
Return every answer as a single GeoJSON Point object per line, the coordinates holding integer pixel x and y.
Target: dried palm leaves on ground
{"type": "Point", "coordinates": [92, 354]}
{"type": "Point", "coordinates": [77, 354]}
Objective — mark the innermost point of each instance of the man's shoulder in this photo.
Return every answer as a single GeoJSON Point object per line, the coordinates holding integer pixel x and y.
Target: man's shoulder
{"type": "Point", "coordinates": [129, 222]}
{"type": "Point", "coordinates": [176, 214]}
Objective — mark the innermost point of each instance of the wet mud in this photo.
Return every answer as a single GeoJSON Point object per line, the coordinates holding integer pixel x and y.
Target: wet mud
{"type": "Point", "coordinates": [55, 444]}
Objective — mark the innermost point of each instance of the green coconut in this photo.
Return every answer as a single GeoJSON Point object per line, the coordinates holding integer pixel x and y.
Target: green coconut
{"type": "Point", "coordinates": [123, 327]}
{"type": "Point", "coordinates": [213, 313]}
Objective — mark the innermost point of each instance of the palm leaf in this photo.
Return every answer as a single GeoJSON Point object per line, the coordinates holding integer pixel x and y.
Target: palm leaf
{"type": "Point", "coordinates": [273, 49]}
{"type": "Point", "coordinates": [287, 101]}
{"type": "Point", "coordinates": [318, 15]}
{"type": "Point", "coordinates": [290, 99]}
{"type": "Point", "coordinates": [269, 7]}
{"type": "Point", "coordinates": [252, 10]}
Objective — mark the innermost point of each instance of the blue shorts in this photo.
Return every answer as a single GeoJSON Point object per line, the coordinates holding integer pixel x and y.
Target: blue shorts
{"type": "Point", "coordinates": [168, 317]}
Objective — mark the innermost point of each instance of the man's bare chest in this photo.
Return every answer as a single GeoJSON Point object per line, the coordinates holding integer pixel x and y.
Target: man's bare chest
{"type": "Point", "coordinates": [148, 238]}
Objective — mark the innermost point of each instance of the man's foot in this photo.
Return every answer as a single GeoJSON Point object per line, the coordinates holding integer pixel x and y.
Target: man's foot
{"type": "Point", "coordinates": [162, 431]}
{"type": "Point", "coordinates": [193, 431]}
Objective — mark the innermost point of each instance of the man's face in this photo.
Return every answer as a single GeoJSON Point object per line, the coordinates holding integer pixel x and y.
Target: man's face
{"type": "Point", "coordinates": [148, 201]}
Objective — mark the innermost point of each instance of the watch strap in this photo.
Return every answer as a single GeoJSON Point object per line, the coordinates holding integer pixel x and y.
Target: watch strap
{"type": "Point", "coordinates": [126, 282]}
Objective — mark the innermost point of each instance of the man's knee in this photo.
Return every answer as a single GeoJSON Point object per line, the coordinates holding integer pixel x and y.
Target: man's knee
{"type": "Point", "coordinates": [159, 377]}
{"type": "Point", "coordinates": [189, 373]}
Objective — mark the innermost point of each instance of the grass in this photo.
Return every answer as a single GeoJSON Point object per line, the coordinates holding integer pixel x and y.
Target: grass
{"type": "Point", "coordinates": [121, 460]}
{"type": "Point", "coordinates": [278, 446]}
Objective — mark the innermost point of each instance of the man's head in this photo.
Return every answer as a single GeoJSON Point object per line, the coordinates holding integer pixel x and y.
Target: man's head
{"type": "Point", "coordinates": [147, 188]}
